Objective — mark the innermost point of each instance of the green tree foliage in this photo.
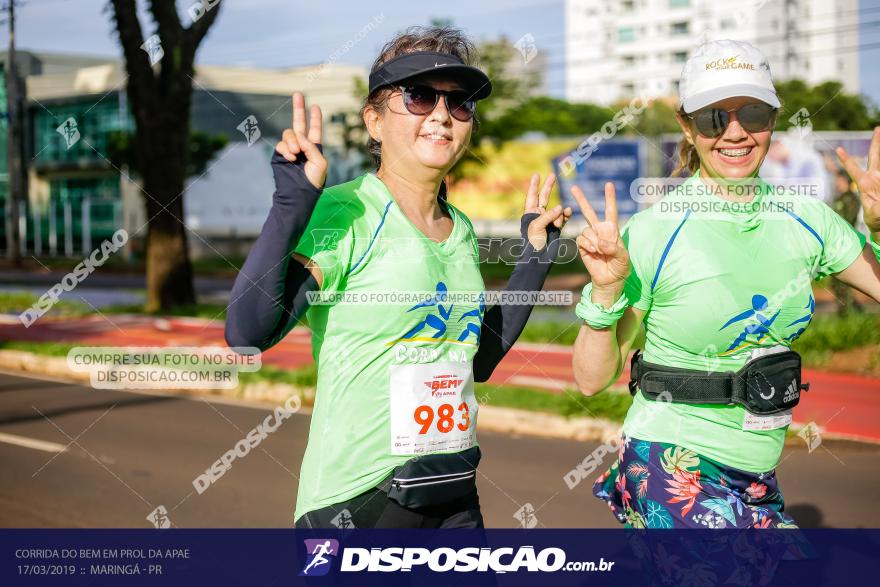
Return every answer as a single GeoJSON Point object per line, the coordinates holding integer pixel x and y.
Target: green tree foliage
{"type": "Point", "coordinates": [550, 116]}
{"type": "Point", "coordinates": [202, 150]}
{"type": "Point", "coordinates": [497, 58]}
{"type": "Point", "coordinates": [828, 106]}
{"type": "Point", "coordinates": [657, 119]}
{"type": "Point", "coordinates": [441, 22]}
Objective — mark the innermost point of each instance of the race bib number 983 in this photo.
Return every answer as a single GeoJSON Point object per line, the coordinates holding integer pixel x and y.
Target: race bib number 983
{"type": "Point", "coordinates": [433, 408]}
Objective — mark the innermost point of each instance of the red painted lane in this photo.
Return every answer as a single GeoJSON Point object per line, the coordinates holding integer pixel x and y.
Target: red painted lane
{"type": "Point", "coordinates": [842, 403]}
{"type": "Point", "coordinates": [294, 351]}
{"type": "Point", "coordinates": [839, 403]}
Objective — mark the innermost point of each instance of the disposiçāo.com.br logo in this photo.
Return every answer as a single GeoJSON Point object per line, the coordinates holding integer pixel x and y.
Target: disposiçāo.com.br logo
{"type": "Point", "coordinates": [320, 554]}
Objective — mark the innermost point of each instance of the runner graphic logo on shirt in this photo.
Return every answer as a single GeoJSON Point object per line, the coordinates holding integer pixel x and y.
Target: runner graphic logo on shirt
{"type": "Point", "coordinates": [759, 320]}
{"type": "Point", "coordinates": [440, 312]}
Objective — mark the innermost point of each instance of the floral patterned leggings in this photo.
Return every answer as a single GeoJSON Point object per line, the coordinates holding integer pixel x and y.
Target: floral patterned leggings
{"type": "Point", "coordinates": [660, 485]}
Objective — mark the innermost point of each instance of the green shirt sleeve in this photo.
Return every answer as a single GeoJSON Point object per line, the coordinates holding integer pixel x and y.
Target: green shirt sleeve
{"type": "Point", "coordinates": [842, 242]}
{"type": "Point", "coordinates": [875, 246]}
{"type": "Point", "coordinates": [472, 235]}
{"type": "Point", "coordinates": [329, 240]}
{"type": "Point", "coordinates": [637, 288]}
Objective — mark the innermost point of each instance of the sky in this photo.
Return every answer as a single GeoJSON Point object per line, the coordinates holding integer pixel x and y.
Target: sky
{"type": "Point", "coordinates": [869, 38]}
{"type": "Point", "coordinates": [289, 33]}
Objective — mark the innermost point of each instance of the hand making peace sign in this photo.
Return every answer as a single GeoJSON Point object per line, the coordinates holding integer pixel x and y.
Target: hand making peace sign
{"type": "Point", "coordinates": [868, 181]}
{"type": "Point", "coordinates": [296, 144]}
{"type": "Point", "coordinates": [537, 202]}
{"type": "Point", "coordinates": [601, 248]}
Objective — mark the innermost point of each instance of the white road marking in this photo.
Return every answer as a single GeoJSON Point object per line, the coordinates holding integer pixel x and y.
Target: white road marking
{"type": "Point", "coordinates": [32, 443]}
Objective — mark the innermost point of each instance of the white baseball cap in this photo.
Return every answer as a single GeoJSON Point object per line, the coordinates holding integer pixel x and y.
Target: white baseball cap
{"type": "Point", "coordinates": [724, 69]}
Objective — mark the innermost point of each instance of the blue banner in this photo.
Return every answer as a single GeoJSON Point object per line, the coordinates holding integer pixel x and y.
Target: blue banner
{"type": "Point", "coordinates": [620, 161]}
{"type": "Point", "coordinates": [436, 557]}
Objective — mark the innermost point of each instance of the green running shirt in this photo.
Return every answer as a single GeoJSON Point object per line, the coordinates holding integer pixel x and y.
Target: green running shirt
{"type": "Point", "coordinates": [394, 373]}
{"type": "Point", "coordinates": [718, 281]}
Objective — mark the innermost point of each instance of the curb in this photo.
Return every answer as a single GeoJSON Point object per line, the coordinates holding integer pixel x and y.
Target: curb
{"type": "Point", "coordinates": [492, 418]}
{"type": "Point", "coordinates": [512, 421]}
{"type": "Point", "coordinates": [26, 362]}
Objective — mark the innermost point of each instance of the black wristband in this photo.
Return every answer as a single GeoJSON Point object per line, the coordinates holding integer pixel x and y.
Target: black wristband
{"type": "Point", "coordinates": [503, 323]}
{"type": "Point", "coordinates": [548, 253]}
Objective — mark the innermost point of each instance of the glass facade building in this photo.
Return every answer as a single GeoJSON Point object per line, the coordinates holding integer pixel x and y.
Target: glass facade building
{"type": "Point", "coordinates": [75, 196]}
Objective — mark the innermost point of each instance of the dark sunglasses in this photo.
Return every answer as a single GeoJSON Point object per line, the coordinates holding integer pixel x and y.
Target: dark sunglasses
{"type": "Point", "coordinates": [421, 100]}
{"type": "Point", "coordinates": [712, 122]}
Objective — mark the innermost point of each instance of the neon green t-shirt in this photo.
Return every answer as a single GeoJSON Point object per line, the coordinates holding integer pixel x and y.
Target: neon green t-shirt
{"type": "Point", "coordinates": [408, 325]}
{"type": "Point", "coordinates": [719, 281]}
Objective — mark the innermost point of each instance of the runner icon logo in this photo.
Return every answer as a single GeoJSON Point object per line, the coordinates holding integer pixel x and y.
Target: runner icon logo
{"type": "Point", "coordinates": [526, 516]}
{"type": "Point", "coordinates": [318, 553]}
{"type": "Point", "coordinates": [343, 520]}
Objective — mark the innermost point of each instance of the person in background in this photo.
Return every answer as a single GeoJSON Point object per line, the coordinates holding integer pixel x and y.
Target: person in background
{"type": "Point", "coordinates": [848, 205]}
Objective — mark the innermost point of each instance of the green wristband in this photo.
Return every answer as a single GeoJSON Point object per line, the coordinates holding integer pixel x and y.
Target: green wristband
{"type": "Point", "coordinates": [597, 315]}
{"type": "Point", "coordinates": [874, 245]}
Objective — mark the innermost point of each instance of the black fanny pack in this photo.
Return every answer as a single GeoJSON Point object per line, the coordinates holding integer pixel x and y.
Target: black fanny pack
{"type": "Point", "coordinates": [766, 385]}
{"type": "Point", "coordinates": [434, 479]}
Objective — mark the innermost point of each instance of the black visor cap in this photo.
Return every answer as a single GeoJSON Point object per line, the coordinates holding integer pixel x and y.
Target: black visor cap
{"type": "Point", "coordinates": [408, 65]}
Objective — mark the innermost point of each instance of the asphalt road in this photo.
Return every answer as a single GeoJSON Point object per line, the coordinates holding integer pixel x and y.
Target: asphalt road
{"type": "Point", "coordinates": [125, 454]}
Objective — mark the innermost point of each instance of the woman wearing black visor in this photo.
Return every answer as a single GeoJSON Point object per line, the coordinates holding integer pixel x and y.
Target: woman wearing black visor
{"type": "Point", "coordinates": [392, 441]}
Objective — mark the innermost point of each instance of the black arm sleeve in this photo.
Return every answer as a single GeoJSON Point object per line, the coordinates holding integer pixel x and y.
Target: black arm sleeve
{"type": "Point", "coordinates": [503, 323]}
{"type": "Point", "coordinates": [269, 294]}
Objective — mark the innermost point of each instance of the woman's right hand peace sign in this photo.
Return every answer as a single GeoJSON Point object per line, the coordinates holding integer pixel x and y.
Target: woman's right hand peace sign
{"type": "Point", "coordinates": [600, 245]}
{"type": "Point", "coordinates": [297, 144]}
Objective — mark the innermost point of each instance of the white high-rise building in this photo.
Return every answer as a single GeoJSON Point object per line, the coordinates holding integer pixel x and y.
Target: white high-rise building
{"type": "Point", "coordinates": [618, 49]}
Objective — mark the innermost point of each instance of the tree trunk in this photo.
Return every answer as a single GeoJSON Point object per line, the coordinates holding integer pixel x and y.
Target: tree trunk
{"type": "Point", "coordinates": [169, 271]}
{"type": "Point", "coordinates": [160, 97]}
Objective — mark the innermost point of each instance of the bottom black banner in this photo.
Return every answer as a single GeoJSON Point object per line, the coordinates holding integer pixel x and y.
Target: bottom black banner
{"type": "Point", "coordinates": [435, 557]}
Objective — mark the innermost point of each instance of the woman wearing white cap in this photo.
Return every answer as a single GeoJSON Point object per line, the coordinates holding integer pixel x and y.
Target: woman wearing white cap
{"type": "Point", "coordinates": [719, 272]}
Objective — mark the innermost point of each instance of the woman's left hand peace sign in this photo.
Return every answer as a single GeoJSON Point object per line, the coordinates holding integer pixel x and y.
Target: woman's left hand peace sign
{"type": "Point", "coordinates": [537, 202]}
{"type": "Point", "coordinates": [867, 180]}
